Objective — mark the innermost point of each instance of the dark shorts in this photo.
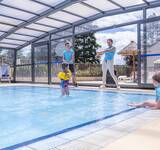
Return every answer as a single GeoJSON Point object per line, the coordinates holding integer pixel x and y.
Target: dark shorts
{"type": "Point", "coordinates": [72, 68]}
{"type": "Point", "coordinates": [64, 83]}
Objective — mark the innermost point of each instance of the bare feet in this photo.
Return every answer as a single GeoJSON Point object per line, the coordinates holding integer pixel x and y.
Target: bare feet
{"type": "Point", "coordinates": [103, 86]}
{"type": "Point", "coordinates": [118, 87]}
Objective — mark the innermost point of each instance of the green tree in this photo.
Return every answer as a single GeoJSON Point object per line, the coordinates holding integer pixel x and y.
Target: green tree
{"type": "Point", "coordinates": [85, 49]}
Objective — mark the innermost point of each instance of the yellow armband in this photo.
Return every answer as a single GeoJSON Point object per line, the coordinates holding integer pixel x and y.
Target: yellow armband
{"type": "Point", "coordinates": [65, 76]}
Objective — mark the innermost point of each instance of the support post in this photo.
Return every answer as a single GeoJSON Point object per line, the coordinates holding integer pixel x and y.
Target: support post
{"type": "Point", "coordinates": [145, 45]}
{"type": "Point", "coordinates": [139, 53]}
{"type": "Point", "coordinates": [33, 63]}
{"type": "Point", "coordinates": [73, 36]}
{"type": "Point", "coordinates": [14, 65]}
{"type": "Point", "coordinates": [49, 61]}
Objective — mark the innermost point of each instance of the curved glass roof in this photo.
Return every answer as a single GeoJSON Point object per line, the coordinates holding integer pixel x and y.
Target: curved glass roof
{"type": "Point", "coordinates": [25, 21]}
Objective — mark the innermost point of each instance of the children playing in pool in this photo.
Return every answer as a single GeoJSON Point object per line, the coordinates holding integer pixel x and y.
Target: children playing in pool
{"type": "Point", "coordinates": [65, 76]}
{"type": "Point", "coordinates": [151, 104]}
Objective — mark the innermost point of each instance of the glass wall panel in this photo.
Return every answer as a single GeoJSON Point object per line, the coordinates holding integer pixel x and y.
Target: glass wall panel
{"type": "Point", "coordinates": [23, 73]}
{"type": "Point", "coordinates": [23, 64]}
{"type": "Point", "coordinates": [24, 56]}
{"type": "Point", "coordinates": [150, 51]}
{"type": "Point", "coordinates": [41, 63]}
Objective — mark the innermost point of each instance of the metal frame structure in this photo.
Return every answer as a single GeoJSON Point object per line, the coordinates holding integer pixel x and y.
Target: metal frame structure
{"type": "Point", "coordinates": [61, 7]}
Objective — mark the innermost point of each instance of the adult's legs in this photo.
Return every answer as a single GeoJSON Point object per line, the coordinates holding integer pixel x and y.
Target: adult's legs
{"type": "Point", "coordinates": [72, 69]}
{"type": "Point", "coordinates": [104, 71]}
{"type": "Point", "coordinates": [110, 67]}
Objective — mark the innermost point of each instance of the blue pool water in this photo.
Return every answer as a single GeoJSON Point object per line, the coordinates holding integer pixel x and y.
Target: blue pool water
{"type": "Point", "coordinates": [30, 112]}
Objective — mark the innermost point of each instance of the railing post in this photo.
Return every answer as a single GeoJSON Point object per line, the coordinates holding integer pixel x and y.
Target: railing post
{"type": "Point", "coordinates": [33, 63]}
{"type": "Point", "coordinates": [49, 61]}
{"type": "Point", "coordinates": [14, 65]}
{"type": "Point", "coordinates": [145, 45]}
{"type": "Point", "coordinates": [139, 53]}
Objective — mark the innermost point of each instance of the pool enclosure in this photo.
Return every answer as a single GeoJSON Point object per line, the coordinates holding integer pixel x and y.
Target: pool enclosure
{"type": "Point", "coordinates": [33, 31]}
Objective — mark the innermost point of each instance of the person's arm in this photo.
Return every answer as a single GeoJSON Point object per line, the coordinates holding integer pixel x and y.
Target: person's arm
{"type": "Point", "coordinates": [106, 50]}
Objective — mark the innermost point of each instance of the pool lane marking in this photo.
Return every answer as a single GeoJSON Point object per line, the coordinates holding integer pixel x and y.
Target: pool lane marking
{"type": "Point", "coordinates": [64, 130]}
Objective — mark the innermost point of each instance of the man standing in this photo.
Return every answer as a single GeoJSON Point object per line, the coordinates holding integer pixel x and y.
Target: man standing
{"type": "Point", "coordinates": [108, 63]}
{"type": "Point", "coordinates": [68, 57]}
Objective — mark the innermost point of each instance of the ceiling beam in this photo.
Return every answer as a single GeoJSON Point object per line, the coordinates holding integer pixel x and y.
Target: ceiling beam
{"type": "Point", "coordinates": [7, 48]}
{"type": "Point", "coordinates": [46, 13]}
{"type": "Point", "coordinates": [92, 7]}
{"type": "Point", "coordinates": [117, 4]}
{"type": "Point", "coordinates": [14, 39]}
{"type": "Point", "coordinates": [9, 43]}
{"type": "Point", "coordinates": [146, 2]}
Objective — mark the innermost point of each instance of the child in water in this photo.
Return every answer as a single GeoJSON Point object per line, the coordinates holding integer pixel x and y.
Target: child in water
{"type": "Point", "coordinates": [65, 76]}
{"type": "Point", "coordinates": [151, 104]}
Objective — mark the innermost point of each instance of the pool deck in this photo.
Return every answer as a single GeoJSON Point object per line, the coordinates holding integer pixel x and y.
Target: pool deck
{"type": "Point", "coordinates": [127, 131]}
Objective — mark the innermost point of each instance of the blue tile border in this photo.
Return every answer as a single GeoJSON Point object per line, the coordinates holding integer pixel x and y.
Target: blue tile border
{"type": "Point", "coordinates": [64, 130]}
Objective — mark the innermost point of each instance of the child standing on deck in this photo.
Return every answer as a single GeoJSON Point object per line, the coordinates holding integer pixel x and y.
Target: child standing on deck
{"type": "Point", "coordinates": [151, 104]}
{"type": "Point", "coordinates": [65, 76]}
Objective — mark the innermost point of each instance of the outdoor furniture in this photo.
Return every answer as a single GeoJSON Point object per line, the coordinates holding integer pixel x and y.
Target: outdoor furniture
{"type": "Point", "coordinates": [131, 50]}
{"type": "Point", "coordinates": [5, 75]}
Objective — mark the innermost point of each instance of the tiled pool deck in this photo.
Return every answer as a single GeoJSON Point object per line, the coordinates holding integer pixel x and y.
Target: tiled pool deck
{"type": "Point", "coordinates": [103, 135]}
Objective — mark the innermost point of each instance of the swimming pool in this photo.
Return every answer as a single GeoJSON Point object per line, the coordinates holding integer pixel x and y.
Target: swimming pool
{"type": "Point", "coordinates": [27, 113]}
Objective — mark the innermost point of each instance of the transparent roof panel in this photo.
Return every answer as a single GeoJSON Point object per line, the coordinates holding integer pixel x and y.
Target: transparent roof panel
{"type": "Point", "coordinates": [29, 32]}
{"type": "Point", "coordinates": [104, 5]}
{"type": "Point", "coordinates": [20, 37]}
{"type": "Point", "coordinates": [51, 22]}
{"type": "Point", "coordinates": [40, 27]}
{"type": "Point", "coordinates": [12, 41]}
{"type": "Point", "coordinates": [65, 16]}
{"type": "Point", "coordinates": [1, 33]}
{"type": "Point", "coordinates": [51, 2]}
{"type": "Point", "coordinates": [126, 3]}
{"type": "Point", "coordinates": [117, 19]}
{"type": "Point", "coordinates": [5, 27]}
{"type": "Point", "coordinates": [26, 5]}
{"type": "Point", "coordinates": [151, 0]}
{"type": "Point", "coordinates": [9, 20]}
{"type": "Point", "coordinates": [81, 10]}
{"type": "Point", "coordinates": [15, 13]}
{"type": "Point", "coordinates": [7, 45]}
